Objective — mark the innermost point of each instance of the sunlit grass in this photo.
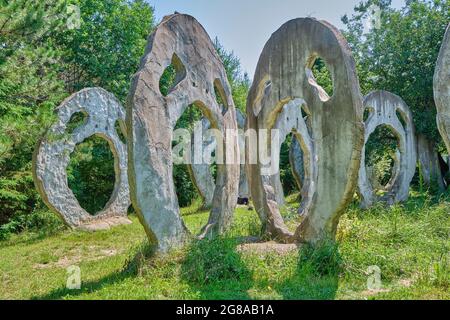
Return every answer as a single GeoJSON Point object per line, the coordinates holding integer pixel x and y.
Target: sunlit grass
{"type": "Point", "coordinates": [409, 243]}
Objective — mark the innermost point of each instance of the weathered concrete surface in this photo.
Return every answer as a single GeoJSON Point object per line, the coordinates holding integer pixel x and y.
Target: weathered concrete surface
{"type": "Point", "coordinates": [52, 156]}
{"type": "Point", "coordinates": [296, 162]}
{"type": "Point", "coordinates": [244, 191]}
{"type": "Point", "coordinates": [442, 89]}
{"type": "Point", "coordinates": [283, 75]}
{"type": "Point", "coordinates": [291, 120]}
{"type": "Point", "coordinates": [200, 173]}
{"type": "Point", "coordinates": [430, 167]}
{"type": "Point", "coordinates": [151, 119]}
{"type": "Point", "coordinates": [383, 107]}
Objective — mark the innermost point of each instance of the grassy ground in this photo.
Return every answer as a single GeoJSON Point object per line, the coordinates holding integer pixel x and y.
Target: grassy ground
{"type": "Point", "coordinates": [409, 243]}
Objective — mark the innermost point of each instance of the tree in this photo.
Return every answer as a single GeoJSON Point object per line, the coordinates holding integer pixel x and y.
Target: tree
{"type": "Point", "coordinates": [106, 49]}
{"type": "Point", "coordinates": [239, 82]}
{"type": "Point", "coordinates": [42, 60]}
{"type": "Point", "coordinates": [29, 90]}
{"type": "Point", "coordinates": [399, 55]}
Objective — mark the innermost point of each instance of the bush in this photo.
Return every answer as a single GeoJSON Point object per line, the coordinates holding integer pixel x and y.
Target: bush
{"type": "Point", "coordinates": [324, 258]}
{"type": "Point", "coordinates": [215, 260]}
{"type": "Point", "coordinates": [40, 221]}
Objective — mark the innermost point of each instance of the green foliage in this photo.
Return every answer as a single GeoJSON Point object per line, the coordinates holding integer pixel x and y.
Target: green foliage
{"type": "Point", "coordinates": [380, 153]}
{"type": "Point", "coordinates": [105, 51]}
{"type": "Point", "coordinates": [401, 55]}
{"type": "Point", "coordinates": [41, 62]}
{"type": "Point", "coordinates": [240, 83]}
{"type": "Point", "coordinates": [185, 189]}
{"type": "Point", "coordinates": [214, 261]}
{"type": "Point", "coordinates": [27, 23]}
{"type": "Point", "coordinates": [409, 243]}
{"type": "Point", "coordinates": [323, 258]}
{"type": "Point", "coordinates": [91, 174]}
{"type": "Point", "coordinates": [40, 222]}
{"type": "Point", "coordinates": [383, 163]}
{"type": "Point", "coordinates": [167, 80]}
{"type": "Point", "coordinates": [29, 90]}
{"type": "Point", "coordinates": [323, 76]}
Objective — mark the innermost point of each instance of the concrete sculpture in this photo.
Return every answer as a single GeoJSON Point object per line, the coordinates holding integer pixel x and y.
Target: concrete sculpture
{"type": "Point", "coordinates": [291, 120]}
{"type": "Point", "coordinates": [384, 109]}
{"type": "Point", "coordinates": [151, 117]}
{"type": "Point", "coordinates": [52, 156]}
{"type": "Point", "coordinates": [244, 192]}
{"type": "Point", "coordinates": [282, 84]}
{"type": "Point", "coordinates": [201, 174]}
{"type": "Point", "coordinates": [442, 89]}
{"type": "Point", "coordinates": [296, 162]}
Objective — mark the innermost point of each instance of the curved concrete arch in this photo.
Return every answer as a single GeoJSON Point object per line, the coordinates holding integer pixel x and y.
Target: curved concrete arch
{"type": "Point", "coordinates": [296, 162]}
{"type": "Point", "coordinates": [151, 118]}
{"type": "Point", "coordinates": [291, 120]}
{"type": "Point", "coordinates": [384, 107]}
{"type": "Point", "coordinates": [52, 156]}
{"type": "Point", "coordinates": [244, 191]}
{"type": "Point", "coordinates": [201, 173]}
{"type": "Point", "coordinates": [284, 74]}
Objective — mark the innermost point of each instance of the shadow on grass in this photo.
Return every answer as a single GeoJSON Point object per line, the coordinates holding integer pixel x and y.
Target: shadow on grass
{"type": "Point", "coordinates": [316, 276]}
{"type": "Point", "coordinates": [132, 268]}
{"type": "Point", "coordinates": [216, 271]}
{"type": "Point", "coordinates": [212, 269]}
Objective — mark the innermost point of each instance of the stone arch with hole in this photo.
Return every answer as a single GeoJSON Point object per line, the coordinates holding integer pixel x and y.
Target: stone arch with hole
{"type": "Point", "coordinates": [151, 118]}
{"type": "Point", "coordinates": [385, 108]}
{"type": "Point", "coordinates": [291, 120]}
{"type": "Point", "coordinates": [442, 89]}
{"type": "Point", "coordinates": [244, 191]}
{"type": "Point", "coordinates": [52, 156]}
{"type": "Point", "coordinates": [297, 161]}
{"type": "Point", "coordinates": [283, 75]}
{"type": "Point", "coordinates": [201, 174]}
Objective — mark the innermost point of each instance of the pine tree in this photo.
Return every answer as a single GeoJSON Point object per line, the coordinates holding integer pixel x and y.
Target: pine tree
{"type": "Point", "coordinates": [29, 89]}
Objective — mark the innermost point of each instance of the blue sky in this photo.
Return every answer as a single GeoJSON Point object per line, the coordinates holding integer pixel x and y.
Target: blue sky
{"type": "Point", "coordinates": [244, 26]}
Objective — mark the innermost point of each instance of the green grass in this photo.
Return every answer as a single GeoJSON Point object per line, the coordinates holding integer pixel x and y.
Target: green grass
{"type": "Point", "coordinates": [409, 243]}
